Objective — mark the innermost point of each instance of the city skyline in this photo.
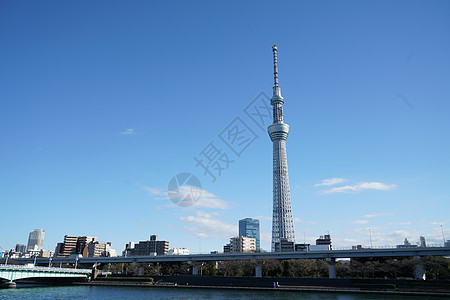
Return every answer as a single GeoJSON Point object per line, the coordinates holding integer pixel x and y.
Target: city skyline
{"type": "Point", "coordinates": [103, 104]}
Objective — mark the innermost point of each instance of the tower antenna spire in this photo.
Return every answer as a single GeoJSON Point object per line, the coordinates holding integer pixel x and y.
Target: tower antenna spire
{"type": "Point", "coordinates": [282, 221]}
{"type": "Point", "coordinates": [275, 64]}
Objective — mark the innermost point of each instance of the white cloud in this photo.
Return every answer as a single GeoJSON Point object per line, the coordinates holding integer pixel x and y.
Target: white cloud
{"type": "Point", "coordinates": [344, 243]}
{"type": "Point", "coordinates": [263, 218]}
{"type": "Point", "coordinates": [209, 200]}
{"type": "Point", "coordinates": [331, 181]}
{"type": "Point", "coordinates": [158, 193]}
{"type": "Point", "coordinates": [141, 223]}
{"type": "Point", "coordinates": [205, 199]}
{"type": "Point", "coordinates": [401, 223]}
{"type": "Point", "coordinates": [375, 215]}
{"type": "Point", "coordinates": [204, 225]}
{"type": "Point", "coordinates": [360, 187]}
{"type": "Point", "coordinates": [129, 131]}
{"type": "Point", "coordinates": [374, 230]}
{"type": "Point", "coordinates": [360, 222]}
{"type": "Point", "coordinates": [438, 223]}
{"type": "Point", "coordinates": [382, 236]}
{"type": "Point", "coordinates": [386, 236]}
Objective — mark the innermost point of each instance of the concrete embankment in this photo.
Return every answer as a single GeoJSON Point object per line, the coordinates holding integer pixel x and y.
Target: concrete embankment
{"type": "Point", "coordinates": [325, 285]}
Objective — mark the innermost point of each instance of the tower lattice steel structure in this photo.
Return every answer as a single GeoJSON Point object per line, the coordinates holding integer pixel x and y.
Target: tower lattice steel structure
{"type": "Point", "coordinates": [282, 222]}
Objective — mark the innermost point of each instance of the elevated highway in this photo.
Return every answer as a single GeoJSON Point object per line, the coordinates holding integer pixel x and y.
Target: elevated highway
{"type": "Point", "coordinates": [196, 259]}
{"type": "Point", "coordinates": [331, 254]}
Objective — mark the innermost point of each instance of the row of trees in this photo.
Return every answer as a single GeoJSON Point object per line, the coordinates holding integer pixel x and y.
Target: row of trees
{"type": "Point", "coordinates": [436, 268]}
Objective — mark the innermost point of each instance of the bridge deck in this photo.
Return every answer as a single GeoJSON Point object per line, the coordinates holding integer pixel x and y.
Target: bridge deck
{"type": "Point", "coordinates": [13, 272]}
{"type": "Point", "coordinates": [388, 252]}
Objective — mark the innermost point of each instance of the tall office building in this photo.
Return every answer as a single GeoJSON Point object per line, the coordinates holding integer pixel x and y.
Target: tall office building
{"type": "Point", "coordinates": [249, 227]}
{"type": "Point", "coordinates": [282, 222]}
{"type": "Point", "coordinates": [36, 240]}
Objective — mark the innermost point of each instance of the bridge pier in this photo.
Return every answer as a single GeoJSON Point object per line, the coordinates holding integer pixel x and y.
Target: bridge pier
{"type": "Point", "coordinates": [331, 267]}
{"type": "Point", "coordinates": [94, 273]}
{"type": "Point", "coordinates": [258, 270]}
{"type": "Point", "coordinates": [9, 285]}
{"type": "Point", "coordinates": [195, 267]}
{"type": "Point", "coordinates": [194, 270]}
{"type": "Point", "coordinates": [419, 270]}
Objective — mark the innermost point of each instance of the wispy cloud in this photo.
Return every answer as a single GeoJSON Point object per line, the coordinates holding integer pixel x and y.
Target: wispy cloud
{"type": "Point", "coordinates": [205, 200]}
{"type": "Point", "coordinates": [401, 223]}
{"type": "Point", "coordinates": [263, 218]}
{"type": "Point", "coordinates": [374, 230]}
{"type": "Point", "coordinates": [438, 223]}
{"type": "Point", "coordinates": [387, 236]}
{"type": "Point", "coordinates": [157, 193]}
{"type": "Point", "coordinates": [382, 236]}
{"type": "Point", "coordinates": [363, 186]}
{"type": "Point", "coordinates": [209, 200]}
{"type": "Point", "coordinates": [331, 181]}
{"type": "Point", "coordinates": [360, 222]}
{"type": "Point", "coordinates": [376, 215]}
{"type": "Point", "coordinates": [129, 131]}
{"type": "Point", "coordinates": [205, 225]}
{"type": "Point", "coordinates": [141, 223]}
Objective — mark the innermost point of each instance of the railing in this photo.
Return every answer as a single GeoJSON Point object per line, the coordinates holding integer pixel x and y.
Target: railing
{"type": "Point", "coordinates": [346, 248]}
{"type": "Point", "coordinates": [392, 247]}
{"type": "Point", "coordinates": [64, 270]}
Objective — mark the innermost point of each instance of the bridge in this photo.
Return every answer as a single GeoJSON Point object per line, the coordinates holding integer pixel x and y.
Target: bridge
{"type": "Point", "coordinates": [195, 259]}
{"type": "Point", "coordinates": [10, 273]}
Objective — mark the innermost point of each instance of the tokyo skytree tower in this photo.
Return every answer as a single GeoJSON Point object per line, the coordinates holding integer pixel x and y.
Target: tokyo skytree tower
{"type": "Point", "coordinates": [282, 222]}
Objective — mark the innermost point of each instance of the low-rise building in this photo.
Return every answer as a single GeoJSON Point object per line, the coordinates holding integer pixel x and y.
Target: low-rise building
{"type": "Point", "coordinates": [46, 254]}
{"type": "Point", "coordinates": [284, 246]}
{"type": "Point", "coordinates": [406, 244]}
{"type": "Point", "coordinates": [150, 247]}
{"type": "Point", "coordinates": [324, 240]}
{"type": "Point", "coordinates": [313, 248]}
{"type": "Point", "coordinates": [21, 248]}
{"type": "Point", "coordinates": [422, 242]}
{"type": "Point", "coordinates": [323, 243]}
{"type": "Point", "coordinates": [227, 248]}
{"type": "Point", "coordinates": [301, 247]}
{"type": "Point", "coordinates": [178, 251]}
{"type": "Point", "coordinates": [86, 246]}
{"type": "Point", "coordinates": [128, 249]}
{"type": "Point", "coordinates": [240, 244]}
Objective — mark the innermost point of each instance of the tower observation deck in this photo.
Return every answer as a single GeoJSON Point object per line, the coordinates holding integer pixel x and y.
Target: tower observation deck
{"type": "Point", "coordinates": [282, 222]}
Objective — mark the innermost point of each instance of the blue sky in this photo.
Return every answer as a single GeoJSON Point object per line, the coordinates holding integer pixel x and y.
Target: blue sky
{"type": "Point", "coordinates": [103, 102]}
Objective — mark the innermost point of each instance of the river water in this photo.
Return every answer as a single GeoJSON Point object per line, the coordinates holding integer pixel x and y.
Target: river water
{"type": "Point", "coordinates": [101, 292]}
